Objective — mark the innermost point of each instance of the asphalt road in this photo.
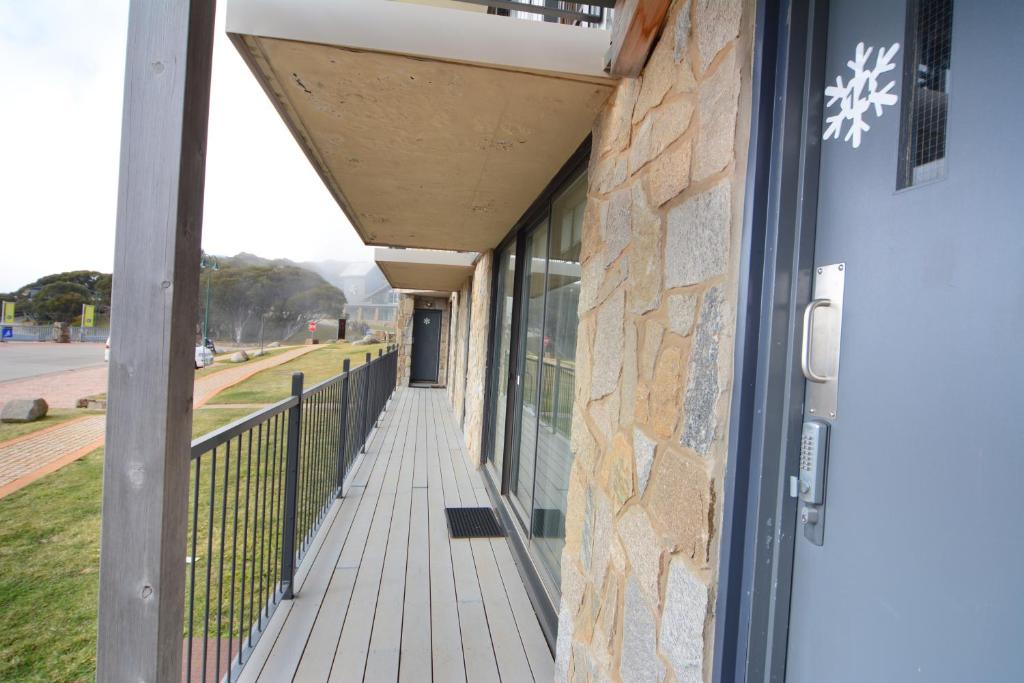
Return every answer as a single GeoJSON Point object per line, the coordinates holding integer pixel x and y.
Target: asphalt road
{"type": "Point", "coordinates": [29, 359]}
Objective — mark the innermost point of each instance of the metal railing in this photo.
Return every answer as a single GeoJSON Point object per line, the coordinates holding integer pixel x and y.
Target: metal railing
{"type": "Point", "coordinates": [260, 489]}
{"type": "Point", "coordinates": [558, 384]}
{"type": "Point", "coordinates": [596, 13]}
{"type": "Point", "coordinates": [45, 333]}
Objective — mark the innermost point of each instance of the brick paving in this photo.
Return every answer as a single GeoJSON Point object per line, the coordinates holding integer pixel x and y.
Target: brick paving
{"type": "Point", "coordinates": [25, 459]}
{"type": "Point", "coordinates": [60, 389]}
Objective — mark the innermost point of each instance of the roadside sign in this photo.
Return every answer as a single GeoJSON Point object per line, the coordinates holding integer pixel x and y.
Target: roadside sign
{"type": "Point", "coordinates": [312, 326]}
{"type": "Point", "coordinates": [88, 315]}
{"type": "Point", "coordinates": [8, 307]}
{"type": "Point", "coordinates": [8, 333]}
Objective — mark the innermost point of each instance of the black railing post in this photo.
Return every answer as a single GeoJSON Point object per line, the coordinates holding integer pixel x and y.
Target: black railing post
{"type": "Point", "coordinates": [343, 419]}
{"type": "Point", "coordinates": [378, 403]}
{"type": "Point", "coordinates": [366, 401]}
{"type": "Point", "coordinates": [291, 478]}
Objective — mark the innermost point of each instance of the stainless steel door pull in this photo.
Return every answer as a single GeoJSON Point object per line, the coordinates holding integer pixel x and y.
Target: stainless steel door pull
{"type": "Point", "coordinates": [805, 349]}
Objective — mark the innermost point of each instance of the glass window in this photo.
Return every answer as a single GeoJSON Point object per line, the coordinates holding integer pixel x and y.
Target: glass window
{"type": "Point", "coordinates": [535, 376]}
{"type": "Point", "coordinates": [531, 335]}
{"type": "Point", "coordinates": [558, 378]}
{"type": "Point", "coordinates": [925, 92]}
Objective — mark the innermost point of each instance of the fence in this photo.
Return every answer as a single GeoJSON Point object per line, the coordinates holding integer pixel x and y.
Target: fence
{"type": "Point", "coordinates": [259, 490]}
{"type": "Point", "coordinates": [50, 333]}
{"type": "Point", "coordinates": [558, 382]}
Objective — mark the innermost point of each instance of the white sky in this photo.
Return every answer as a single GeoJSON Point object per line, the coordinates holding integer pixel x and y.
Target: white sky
{"type": "Point", "coordinates": [61, 75]}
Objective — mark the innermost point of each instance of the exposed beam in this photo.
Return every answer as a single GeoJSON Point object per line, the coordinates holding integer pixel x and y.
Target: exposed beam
{"type": "Point", "coordinates": [156, 286]}
{"type": "Point", "coordinates": [636, 26]}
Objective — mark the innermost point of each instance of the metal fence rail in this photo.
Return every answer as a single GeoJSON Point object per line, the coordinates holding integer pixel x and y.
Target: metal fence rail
{"type": "Point", "coordinates": [259, 490]}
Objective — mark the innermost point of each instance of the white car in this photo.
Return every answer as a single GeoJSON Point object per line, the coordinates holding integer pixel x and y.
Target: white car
{"type": "Point", "coordinates": [204, 357]}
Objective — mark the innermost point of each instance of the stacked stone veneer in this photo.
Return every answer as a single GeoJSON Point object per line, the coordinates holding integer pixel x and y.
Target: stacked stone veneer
{"type": "Point", "coordinates": [654, 357]}
{"type": "Point", "coordinates": [476, 370]}
{"type": "Point", "coordinates": [407, 305]}
{"type": "Point", "coordinates": [457, 355]}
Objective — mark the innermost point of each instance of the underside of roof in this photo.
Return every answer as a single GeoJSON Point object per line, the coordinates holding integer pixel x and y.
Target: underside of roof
{"type": "Point", "coordinates": [432, 127]}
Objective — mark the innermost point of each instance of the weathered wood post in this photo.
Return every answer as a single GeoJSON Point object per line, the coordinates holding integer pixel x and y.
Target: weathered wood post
{"type": "Point", "coordinates": [156, 290]}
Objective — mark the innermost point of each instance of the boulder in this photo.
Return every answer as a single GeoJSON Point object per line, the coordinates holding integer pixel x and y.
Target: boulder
{"type": "Point", "coordinates": [368, 339]}
{"type": "Point", "coordinates": [273, 345]}
{"type": "Point", "coordinates": [239, 357]}
{"type": "Point", "coordinates": [24, 410]}
{"type": "Point", "coordinates": [257, 353]}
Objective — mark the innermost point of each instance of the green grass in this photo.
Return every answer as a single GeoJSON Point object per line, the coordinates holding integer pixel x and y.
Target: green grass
{"type": "Point", "coordinates": [49, 535]}
{"type": "Point", "coordinates": [275, 384]}
{"type": "Point", "coordinates": [12, 430]}
{"type": "Point", "coordinates": [49, 569]}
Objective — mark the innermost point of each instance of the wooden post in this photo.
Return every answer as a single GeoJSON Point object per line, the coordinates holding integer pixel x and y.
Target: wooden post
{"type": "Point", "coordinates": [156, 290]}
{"type": "Point", "coordinates": [636, 26]}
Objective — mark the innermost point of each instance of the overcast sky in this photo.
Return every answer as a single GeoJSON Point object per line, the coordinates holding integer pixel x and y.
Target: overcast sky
{"type": "Point", "coordinates": [61, 72]}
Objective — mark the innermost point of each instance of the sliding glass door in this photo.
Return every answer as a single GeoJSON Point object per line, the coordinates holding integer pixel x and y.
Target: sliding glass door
{"type": "Point", "coordinates": [534, 358]}
{"type": "Point", "coordinates": [557, 374]}
{"type": "Point", "coordinates": [531, 334]}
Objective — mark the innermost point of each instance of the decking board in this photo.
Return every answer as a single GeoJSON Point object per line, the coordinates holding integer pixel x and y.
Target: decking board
{"type": "Point", "coordinates": [386, 594]}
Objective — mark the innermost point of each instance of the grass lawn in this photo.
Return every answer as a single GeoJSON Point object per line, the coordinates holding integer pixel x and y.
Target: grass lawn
{"type": "Point", "coordinates": [49, 569]}
{"type": "Point", "coordinates": [221, 362]}
{"type": "Point", "coordinates": [275, 384]}
{"type": "Point", "coordinates": [11, 430]}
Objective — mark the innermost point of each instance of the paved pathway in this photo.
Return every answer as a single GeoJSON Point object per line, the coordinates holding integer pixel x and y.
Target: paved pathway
{"type": "Point", "coordinates": [27, 458]}
{"type": "Point", "coordinates": [60, 389]}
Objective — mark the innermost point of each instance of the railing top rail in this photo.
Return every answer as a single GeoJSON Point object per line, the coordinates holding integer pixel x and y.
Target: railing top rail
{"type": "Point", "coordinates": [221, 436]}
{"type": "Point", "coordinates": [323, 385]}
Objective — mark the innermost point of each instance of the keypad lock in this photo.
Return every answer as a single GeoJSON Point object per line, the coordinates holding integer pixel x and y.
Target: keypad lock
{"type": "Point", "coordinates": [813, 446]}
{"type": "Point", "coordinates": [811, 480]}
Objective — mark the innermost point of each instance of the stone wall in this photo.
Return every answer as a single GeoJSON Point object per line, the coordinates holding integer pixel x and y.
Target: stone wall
{"type": "Point", "coordinates": [654, 356]}
{"type": "Point", "coordinates": [403, 333]}
{"type": "Point", "coordinates": [457, 360]}
{"type": "Point", "coordinates": [407, 304]}
{"type": "Point", "coordinates": [476, 371]}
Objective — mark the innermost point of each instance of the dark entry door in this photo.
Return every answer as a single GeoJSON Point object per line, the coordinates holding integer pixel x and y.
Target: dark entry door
{"type": "Point", "coordinates": [426, 345]}
{"type": "Point", "coordinates": [918, 576]}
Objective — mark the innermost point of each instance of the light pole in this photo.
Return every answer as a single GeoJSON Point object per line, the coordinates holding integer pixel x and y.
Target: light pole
{"type": "Point", "coordinates": [209, 264]}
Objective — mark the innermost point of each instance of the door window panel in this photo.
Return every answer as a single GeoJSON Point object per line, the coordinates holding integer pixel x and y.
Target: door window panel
{"type": "Point", "coordinates": [926, 78]}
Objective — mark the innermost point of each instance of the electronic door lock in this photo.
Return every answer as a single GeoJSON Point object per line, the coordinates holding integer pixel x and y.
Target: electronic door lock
{"type": "Point", "coordinates": [809, 485]}
{"type": "Point", "coordinates": [813, 449]}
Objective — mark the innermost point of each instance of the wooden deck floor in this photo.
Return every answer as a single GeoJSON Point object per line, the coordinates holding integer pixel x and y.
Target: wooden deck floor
{"type": "Point", "coordinates": [385, 595]}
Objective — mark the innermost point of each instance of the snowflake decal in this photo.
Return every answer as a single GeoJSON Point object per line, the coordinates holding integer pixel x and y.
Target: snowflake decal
{"type": "Point", "coordinates": [860, 93]}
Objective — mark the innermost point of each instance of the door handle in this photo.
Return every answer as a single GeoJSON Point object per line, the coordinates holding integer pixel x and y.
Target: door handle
{"type": "Point", "coordinates": [805, 349]}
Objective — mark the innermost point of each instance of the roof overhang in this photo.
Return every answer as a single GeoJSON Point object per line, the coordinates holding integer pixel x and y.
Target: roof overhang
{"type": "Point", "coordinates": [424, 269]}
{"type": "Point", "coordinates": [432, 127]}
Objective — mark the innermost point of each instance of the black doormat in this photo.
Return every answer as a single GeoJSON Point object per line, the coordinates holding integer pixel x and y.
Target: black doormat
{"type": "Point", "coordinates": [473, 523]}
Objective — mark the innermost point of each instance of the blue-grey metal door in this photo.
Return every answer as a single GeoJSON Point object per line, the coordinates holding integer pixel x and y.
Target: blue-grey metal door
{"type": "Point", "coordinates": [919, 573]}
{"type": "Point", "coordinates": [426, 345]}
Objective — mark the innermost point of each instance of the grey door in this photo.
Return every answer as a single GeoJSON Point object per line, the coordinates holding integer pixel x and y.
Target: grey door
{"type": "Point", "coordinates": [426, 345]}
{"type": "Point", "coordinates": [920, 573]}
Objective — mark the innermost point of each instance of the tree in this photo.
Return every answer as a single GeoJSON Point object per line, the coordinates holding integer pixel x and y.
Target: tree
{"type": "Point", "coordinates": [284, 296]}
{"type": "Point", "coordinates": [60, 301]}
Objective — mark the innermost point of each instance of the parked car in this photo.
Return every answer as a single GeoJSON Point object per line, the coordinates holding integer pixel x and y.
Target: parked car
{"type": "Point", "coordinates": [204, 357]}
